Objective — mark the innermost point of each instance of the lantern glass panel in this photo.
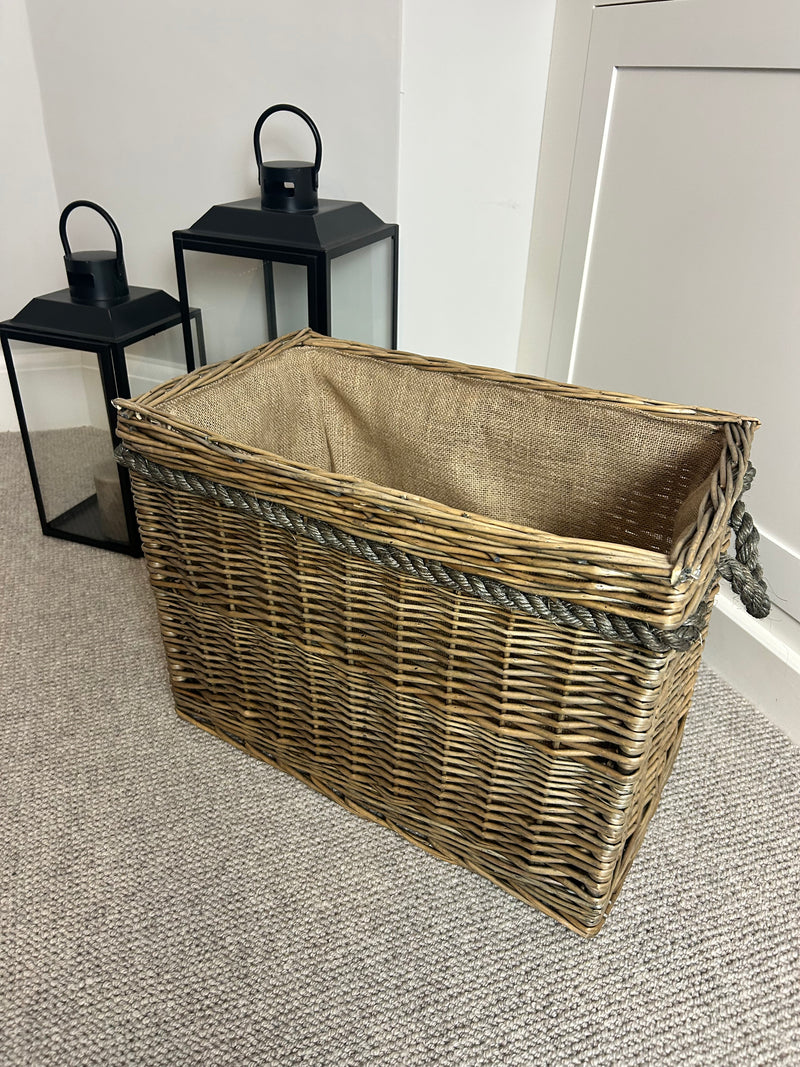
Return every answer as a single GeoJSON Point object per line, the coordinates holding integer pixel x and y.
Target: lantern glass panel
{"type": "Point", "coordinates": [158, 358]}
{"type": "Point", "coordinates": [68, 427]}
{"type": "Point", "coordinates": [230, 291]}
{"type": "Point", "coordinates": [361, 294]}
{"type": "Point", "coordinates": [234, 294]}
{"type": "Point", "coordinates": [291, 297]}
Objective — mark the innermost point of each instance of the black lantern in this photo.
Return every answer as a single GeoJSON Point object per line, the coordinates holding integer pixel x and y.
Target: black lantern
{"type": "Point", "coordinates": [70, 360]}
{"type": "Point", "coordinates": [328, 264]}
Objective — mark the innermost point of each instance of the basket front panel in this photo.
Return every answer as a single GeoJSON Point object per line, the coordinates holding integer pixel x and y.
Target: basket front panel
{"type": "Point", "coordinates": [526, 753]}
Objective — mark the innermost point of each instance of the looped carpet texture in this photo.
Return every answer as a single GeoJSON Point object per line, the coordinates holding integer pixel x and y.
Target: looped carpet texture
{"type": "Point", "coordinates": [166, 899]}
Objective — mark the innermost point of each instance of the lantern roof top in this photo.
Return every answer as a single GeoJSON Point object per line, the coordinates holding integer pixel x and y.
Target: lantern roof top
{"type": "Point", "coordinates": [334, 227]}
{"type": "Point", "coordinates": [57, 315]}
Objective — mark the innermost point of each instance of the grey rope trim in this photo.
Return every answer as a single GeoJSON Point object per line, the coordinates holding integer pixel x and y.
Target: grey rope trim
{"type": "Point", "coordinates": [744, 573]}
{"type": "Point", "coordinates": [552, 609]}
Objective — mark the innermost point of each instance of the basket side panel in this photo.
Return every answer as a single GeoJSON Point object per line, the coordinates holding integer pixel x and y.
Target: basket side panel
{"type": "Point", "coordinates": [669, 719]}
{"type": "Point", "coordinates": [486, 737]}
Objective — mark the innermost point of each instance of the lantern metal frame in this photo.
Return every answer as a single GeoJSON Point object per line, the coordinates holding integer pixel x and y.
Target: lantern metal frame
{"type": "Point", "coordinates": [54, 320]}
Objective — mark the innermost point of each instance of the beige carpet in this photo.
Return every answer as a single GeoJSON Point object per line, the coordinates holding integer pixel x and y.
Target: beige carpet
{"type": "Point", "coordinates": [169, 901]}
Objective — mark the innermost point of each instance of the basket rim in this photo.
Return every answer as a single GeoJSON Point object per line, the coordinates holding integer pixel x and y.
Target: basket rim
{"type": "Point", "coordinates": [685, 568]}
{"type": "Point", "coordinates": [308, 338]}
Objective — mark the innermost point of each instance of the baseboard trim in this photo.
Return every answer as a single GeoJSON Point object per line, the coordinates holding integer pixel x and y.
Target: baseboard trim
{"type": "Point", "coordinates": [144, 373]}
{"type": "Point", "coordinates": [759, 658]}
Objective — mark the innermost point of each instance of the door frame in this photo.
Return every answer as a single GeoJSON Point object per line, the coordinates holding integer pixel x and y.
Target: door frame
{"type": "Point", "coordinates": [568, 57]}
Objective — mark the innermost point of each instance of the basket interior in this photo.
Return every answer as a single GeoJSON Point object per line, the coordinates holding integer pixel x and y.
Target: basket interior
{"type": "Point", "coordinates": [575, 467]}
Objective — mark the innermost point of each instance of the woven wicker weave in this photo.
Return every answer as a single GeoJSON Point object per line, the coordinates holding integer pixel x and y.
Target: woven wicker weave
{"type": "Point", "coordinates": [530, 752]}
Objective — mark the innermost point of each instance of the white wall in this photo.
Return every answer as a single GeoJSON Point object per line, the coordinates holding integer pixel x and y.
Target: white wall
{"type": "Point", "coordinates": [150, 106]}
{"type": "Point", "coordinates": [474, 77]}
{"type": "Point", "coordinates": [27, 190]}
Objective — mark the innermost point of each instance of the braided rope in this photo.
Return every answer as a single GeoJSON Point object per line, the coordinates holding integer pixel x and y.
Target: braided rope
{"type": "Point", "coordinates": [491, 591]}
{"type": "Point", "coordinates": [745, 573]}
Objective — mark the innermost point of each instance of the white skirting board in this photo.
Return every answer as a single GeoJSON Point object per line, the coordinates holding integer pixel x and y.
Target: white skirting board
{"type": "Point", "coordinates": [63, 387]}
{"type": "Point", "coordinates": [759, 658]}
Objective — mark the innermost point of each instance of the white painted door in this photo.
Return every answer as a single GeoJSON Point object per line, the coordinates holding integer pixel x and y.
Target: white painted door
{"type": "Point", "coordinates": [678, 271]}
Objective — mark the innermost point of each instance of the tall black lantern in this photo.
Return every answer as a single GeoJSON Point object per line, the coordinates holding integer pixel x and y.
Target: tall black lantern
{"type": "Point", "coordinates": [70, 359]}
{"type": "Point", "coordinates": [328, 264]}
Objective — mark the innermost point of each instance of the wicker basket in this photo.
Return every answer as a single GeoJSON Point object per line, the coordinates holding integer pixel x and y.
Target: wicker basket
{"type": "Point", "coordinates": [467, 604]}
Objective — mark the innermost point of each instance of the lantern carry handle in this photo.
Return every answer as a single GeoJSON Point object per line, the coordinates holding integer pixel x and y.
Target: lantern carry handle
{"type": "Point", "coordinates": [308, 121]}
{"type": "Point", "coordinates": [62, 228]}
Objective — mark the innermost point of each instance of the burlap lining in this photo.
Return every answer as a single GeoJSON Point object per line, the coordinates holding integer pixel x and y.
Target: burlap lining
{"type": "Point", "coordinates": [574, 467]}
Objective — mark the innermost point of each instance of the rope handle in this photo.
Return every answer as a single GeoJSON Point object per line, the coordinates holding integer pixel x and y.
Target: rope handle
{"type": "Point", "coordinates": [744, 573]}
